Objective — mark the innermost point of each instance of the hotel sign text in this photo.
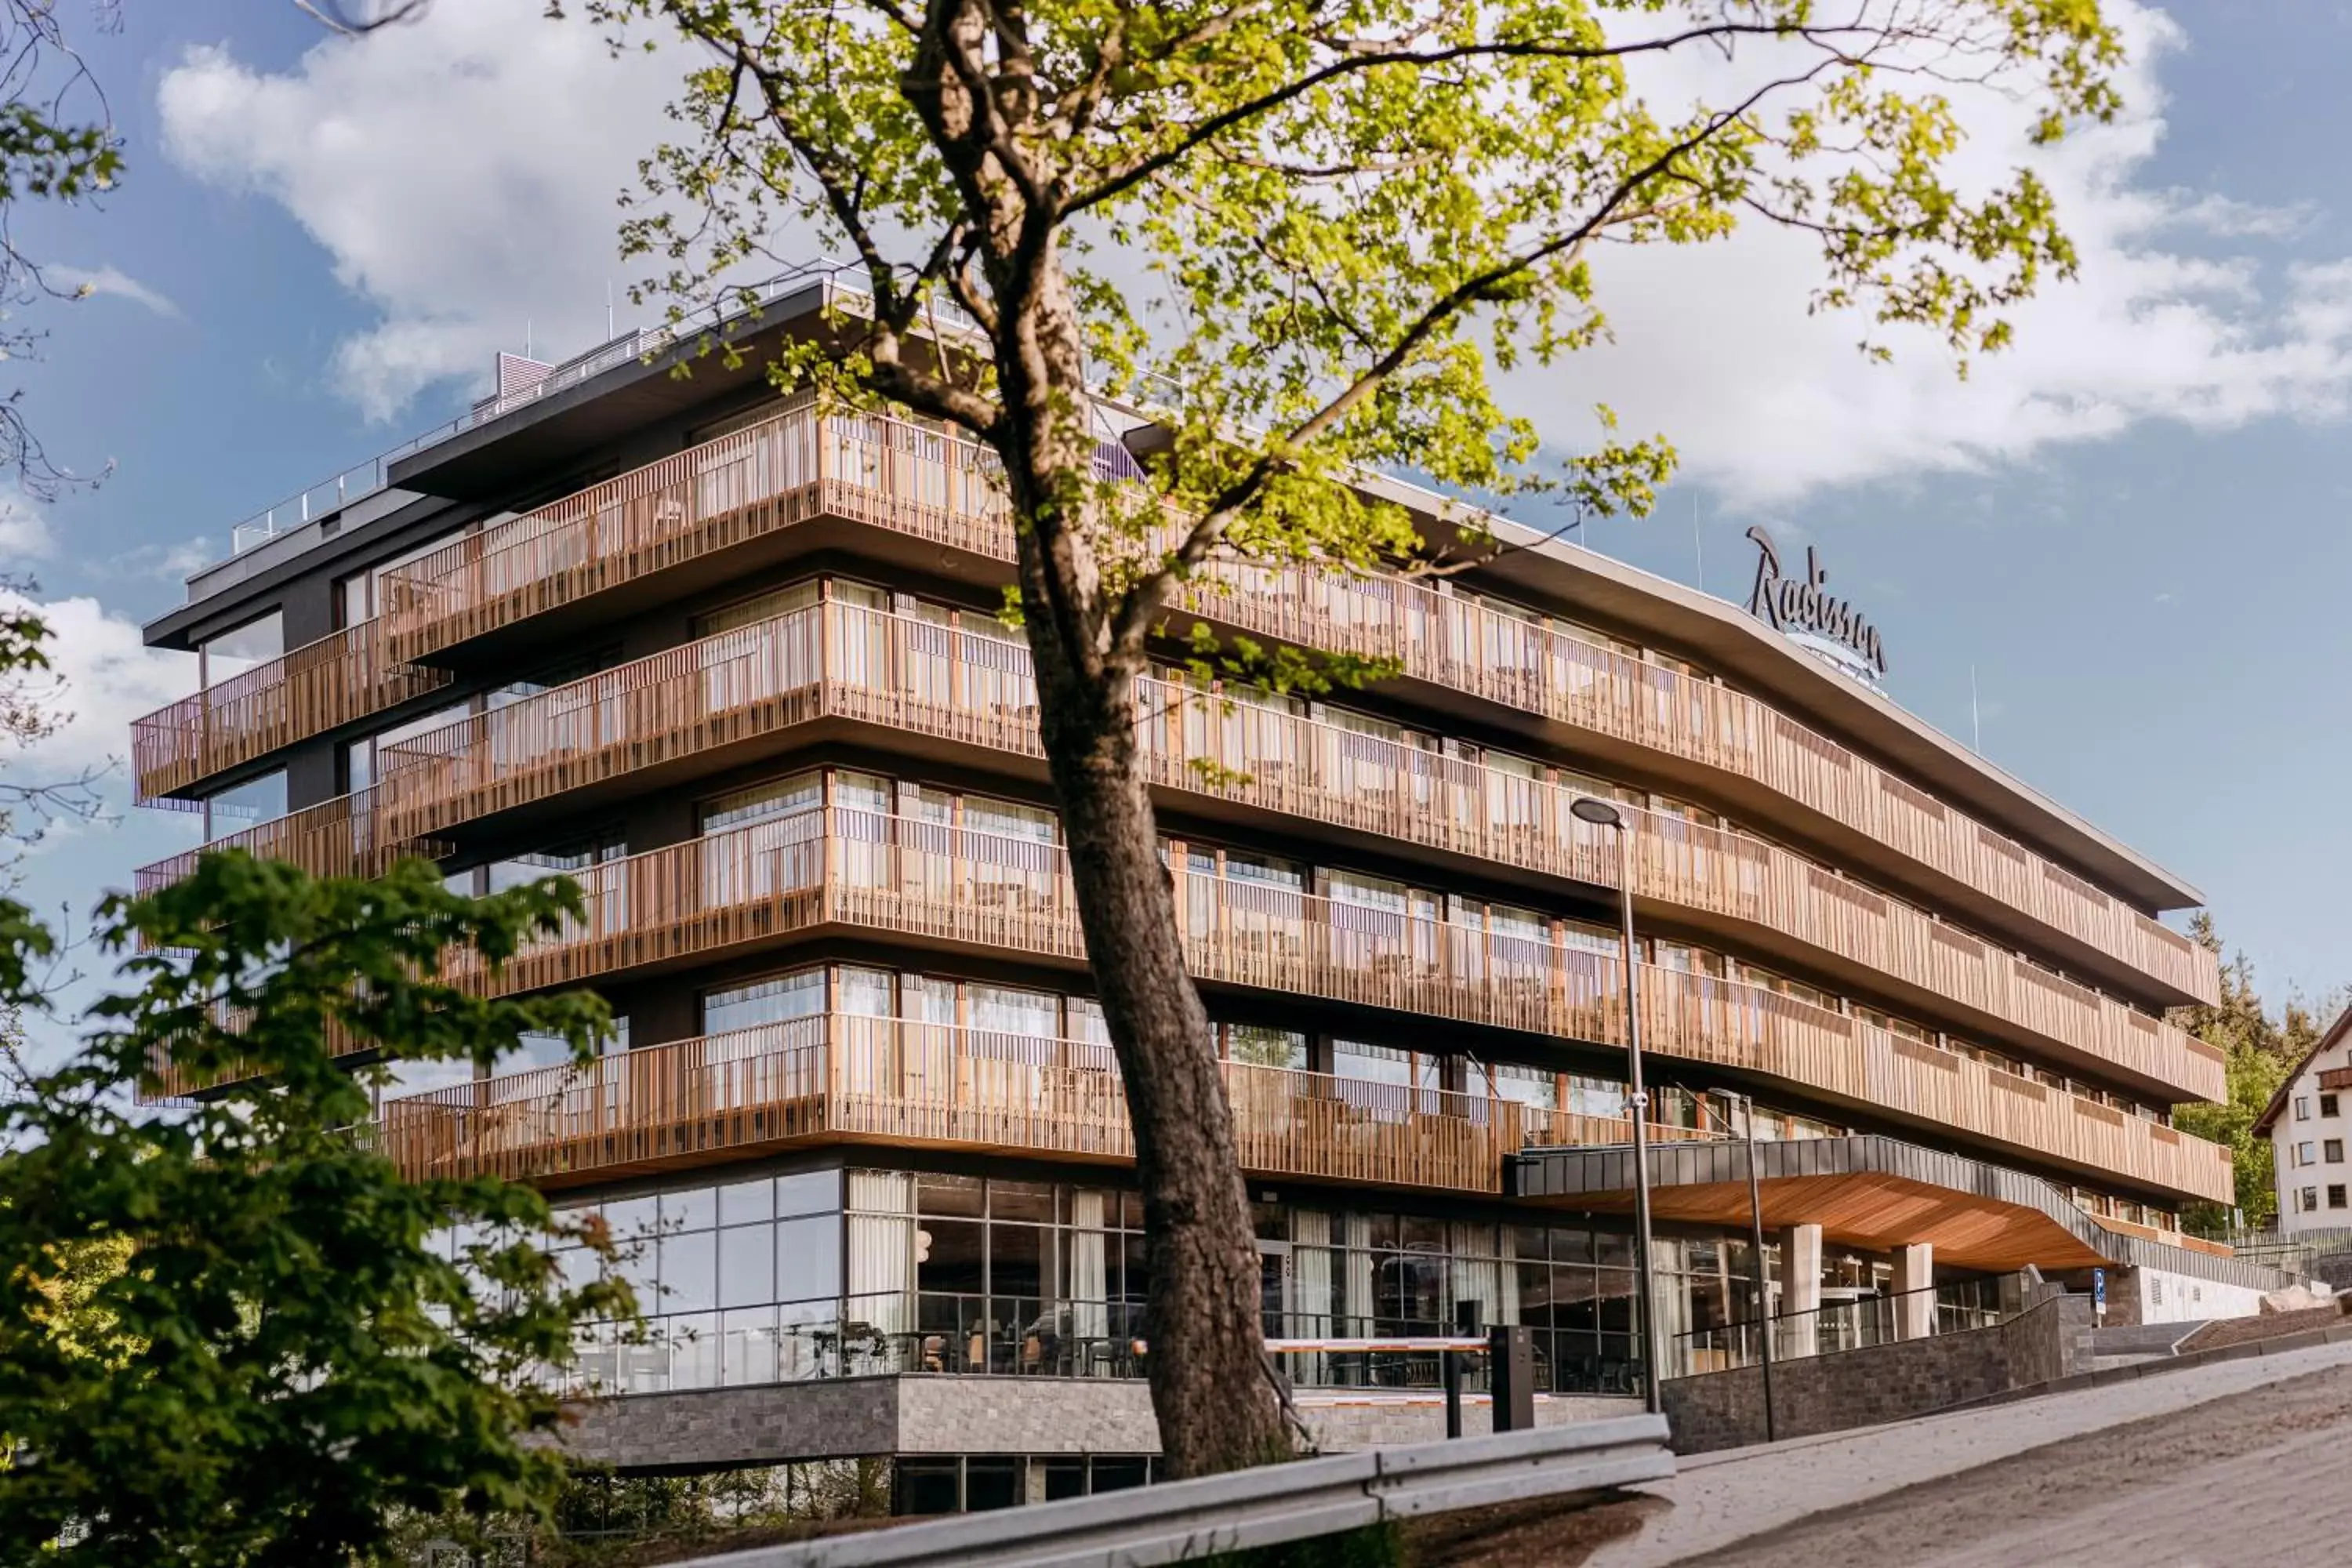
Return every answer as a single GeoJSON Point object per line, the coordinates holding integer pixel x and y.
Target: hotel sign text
{"type": "Point", "coordinates": [1800, 605]}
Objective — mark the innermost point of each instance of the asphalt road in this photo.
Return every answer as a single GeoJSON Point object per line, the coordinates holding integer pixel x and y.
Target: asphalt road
{"type": "Point", "coordinates": [2225, 1464]}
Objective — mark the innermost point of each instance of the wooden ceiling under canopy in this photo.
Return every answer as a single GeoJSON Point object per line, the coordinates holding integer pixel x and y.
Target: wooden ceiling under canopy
{"type": "Point", "coordinates": [1878, 1214]}
{"type": "Point", "coordinates": [1865, 1192]}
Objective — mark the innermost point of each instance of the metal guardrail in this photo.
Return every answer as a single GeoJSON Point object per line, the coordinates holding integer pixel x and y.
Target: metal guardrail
{"type": "Point", "coordinates": [1179, 1522]}
{"type": "Point", "coordinates": [734, 304]}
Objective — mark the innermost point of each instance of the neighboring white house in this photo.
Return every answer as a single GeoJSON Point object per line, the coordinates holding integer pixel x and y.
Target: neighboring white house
{"type": "Point", "coordinates": [2309, 1124]}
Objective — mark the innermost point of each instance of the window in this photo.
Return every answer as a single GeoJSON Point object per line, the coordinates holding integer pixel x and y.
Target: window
{"type": "Point", "coordinates": [2326, 1105]}
{"type": "Point", "coordinates": [2336, 1195]}
{"type": "Point", "coordinates": [2303, 1153]}
{"type": "Point", "coordinates": [2303, 1108]}
{"type": "Point", "coordinates": [2332, 1151]}
{"type": "Point", "coordinates": [775, 1000]}
{"type": "Point", "coordinates": [760, 607]}
{"type": "Point", "coordinates": [2310, 1199]}
{"type": "Point", "coordinates": [233, 652]}
{"type": "Point", "coordinates": [244, 805]}
{"type": "Point", "coordinates": [364, 759]}
{"type": "Point", "coordinates": [360, 596]}
{"type": "Point", "coordinates": [1261, 1047]}
{"type": "Point", "coordinates": [776, 798]}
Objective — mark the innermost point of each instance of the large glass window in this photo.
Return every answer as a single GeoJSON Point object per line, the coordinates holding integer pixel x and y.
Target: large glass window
{"type": "Point", "coordinates": [247, 804]}
{"type": "Point", "coordinates": [774, 999]}
{"type": "Point", "coordinates": [764, 1279]}
{"type": "Point", "coordinates": [772, 798]}
{"type": "Point", "coordinates": [364, 759]}
{"type": "Point", "coordinates": [233, 652]}
{"type": "Point", "coordinates": [762, 607]}
{"type": "Point", "coordinates": [361, 595]}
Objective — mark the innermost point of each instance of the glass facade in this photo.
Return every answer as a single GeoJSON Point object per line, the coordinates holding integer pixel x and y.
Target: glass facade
{"type": "Point", "coordinates": [860, 1272]}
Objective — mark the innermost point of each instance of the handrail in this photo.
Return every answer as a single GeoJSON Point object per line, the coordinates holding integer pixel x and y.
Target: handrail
{"type": "Point", "coordinates": [843, 659]}
{"type": "Point", "coordinates": [365, 479]}
{"type": "Point", "coordinates": [898, 475]}
{"type": "Point", "coordinates": [745, 888]}
{"type": "Point", "coordinates": [342, 677]}
{"type": "Point", "coordinates": [844, 1077]}
{"type": "Point", "coordinates": [338, 838]}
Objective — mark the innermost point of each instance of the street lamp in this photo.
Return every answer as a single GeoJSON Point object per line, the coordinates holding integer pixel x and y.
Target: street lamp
{"type": "Point", "coordinates": [1603, 814]}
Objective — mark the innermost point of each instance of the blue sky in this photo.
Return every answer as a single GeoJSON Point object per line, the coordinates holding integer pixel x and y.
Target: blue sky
{"type": "Point", "coordinates": [2130, 532]}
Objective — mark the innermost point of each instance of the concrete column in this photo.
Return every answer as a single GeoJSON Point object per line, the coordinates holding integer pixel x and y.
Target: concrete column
{"type": "Point", "coordinates": [1800, 1290]}
{"type": "Point", "coordinates": [1914, 1298]}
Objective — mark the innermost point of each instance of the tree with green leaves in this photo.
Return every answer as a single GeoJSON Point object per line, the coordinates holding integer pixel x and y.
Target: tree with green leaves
{"type": "Point", "coordinates": [1296, 240]}
{"type": "Point", "coordinates": [2259, 1052]}
{"type": "Point", "coordinates": [232, 1332]}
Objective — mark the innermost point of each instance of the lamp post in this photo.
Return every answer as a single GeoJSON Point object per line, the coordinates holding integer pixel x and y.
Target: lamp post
{"type": "Point", "coordinates": [1763, 1280]}
{"type": "Point", "coordinates": [1603, 814]}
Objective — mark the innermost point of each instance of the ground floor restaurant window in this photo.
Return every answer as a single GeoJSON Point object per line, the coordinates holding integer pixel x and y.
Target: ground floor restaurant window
{"type": "Point", "coordinates": [866, 1272]}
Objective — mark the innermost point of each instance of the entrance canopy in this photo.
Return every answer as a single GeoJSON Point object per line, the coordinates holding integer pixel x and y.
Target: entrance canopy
{"type": "Point", "coordinates": [1866, 1192]}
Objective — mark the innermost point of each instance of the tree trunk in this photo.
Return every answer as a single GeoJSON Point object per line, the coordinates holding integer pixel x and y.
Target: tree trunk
{"type": "Point", "coordinates": [1216, 1404]}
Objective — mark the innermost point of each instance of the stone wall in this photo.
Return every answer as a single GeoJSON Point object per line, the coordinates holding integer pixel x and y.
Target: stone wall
{"type": "Point", "coordinates": [709, 1428]}
{"type": "Point", "coordinates": [1880, 1383]}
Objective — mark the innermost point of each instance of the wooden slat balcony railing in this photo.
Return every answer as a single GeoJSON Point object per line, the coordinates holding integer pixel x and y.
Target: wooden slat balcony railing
{"type": "Point", "coordinates": [339, 837]}
{"type": "Point", "coordinates": [830, 869]}
{"type": "Point", "coordinates": [841, 1077]}
{"type": "Point", "coordinates": [315, 689]}
{"type": "Point", "coordinates": [847, 660]}
{"type": "Point", "coordinates": [898, 475]}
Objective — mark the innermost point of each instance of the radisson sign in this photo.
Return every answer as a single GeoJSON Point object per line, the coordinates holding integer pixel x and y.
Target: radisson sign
{"type": "Point", "coordinates": [1799, 607]}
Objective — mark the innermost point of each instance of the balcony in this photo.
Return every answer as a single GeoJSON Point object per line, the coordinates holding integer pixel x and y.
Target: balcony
{"type": "Point", "coordinates": [316, 687]}
{"type": "Point", "coordinates": [902, 477]}
{"type": "Point", "coordinates": [843, 661]}
{"type": "Point", "coordinates": [842, 1078]}
{"type": "Point", "coordinates": [836, 870]}
{"type": "Point", "coordinates": [339, 837]}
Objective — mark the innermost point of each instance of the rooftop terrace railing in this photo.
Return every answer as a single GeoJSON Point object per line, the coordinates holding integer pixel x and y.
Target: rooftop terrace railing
{"type": "Point", "coordinates": [363, 479]}
{"type": "Point", "coordinates": [915, 676]}
{"type": "Point", "coordinates": [838, 869]}
{"type": "Point", "coordinates": [901, 475]}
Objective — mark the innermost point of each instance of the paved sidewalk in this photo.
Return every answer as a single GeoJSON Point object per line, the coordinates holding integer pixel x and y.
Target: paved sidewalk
{"type": "Point", "coordinates": [1720, 1500]}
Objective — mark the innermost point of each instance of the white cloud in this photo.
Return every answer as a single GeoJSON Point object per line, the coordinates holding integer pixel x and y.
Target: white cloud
{"type": "Point", "coordinates": [1716, 347]}
{"type": "Point", "coordinates": [171, 560]}
{"type": "Point", "coordinates": [105, 678]}
{"type": "Point", "coordinates": [24, 535]}
{"type": "Point", "coordinates": [462, 173]}
{"type": "Point", "coordinates": [111, 280]}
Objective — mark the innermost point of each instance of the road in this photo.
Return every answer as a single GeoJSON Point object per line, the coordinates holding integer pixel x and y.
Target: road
{"type": "Point", "coordinates": [2205, 1466]}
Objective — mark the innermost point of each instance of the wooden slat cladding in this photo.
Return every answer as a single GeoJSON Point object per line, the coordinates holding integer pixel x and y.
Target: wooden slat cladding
{"type": "Point", "coordinates": [846, 661]}
{"type": "Point", "coordinates": [841, 1077]}
{"type": "Point", "coordinates": [835, 869]}
{"type": "Point", "coordinates": [316, 688]}
{"type": "Point", "coordinates": [896, 475]}
{"type": "Point", "coordinates": [339, 837]}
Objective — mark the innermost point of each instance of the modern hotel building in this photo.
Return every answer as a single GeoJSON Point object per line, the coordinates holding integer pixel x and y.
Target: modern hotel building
{"type": "Point", "coordinates": [730, 662]}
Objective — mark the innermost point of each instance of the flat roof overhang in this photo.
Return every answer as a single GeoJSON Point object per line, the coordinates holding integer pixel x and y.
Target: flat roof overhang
{"type": "Point", "coordinates": [1865, 1191]}
{"type": "Point", "coordinates": [568, 426]}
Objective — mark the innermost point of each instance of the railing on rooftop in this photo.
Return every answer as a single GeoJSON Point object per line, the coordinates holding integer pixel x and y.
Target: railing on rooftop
{"type": "Point", "coordinates": [844, 661]}
{"type": "Point", "coordinates": [733, 308]}
{"type": "Point", "coordinates": [753, 888]}
{"type": "Point", "coordinates": [898, 475]}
